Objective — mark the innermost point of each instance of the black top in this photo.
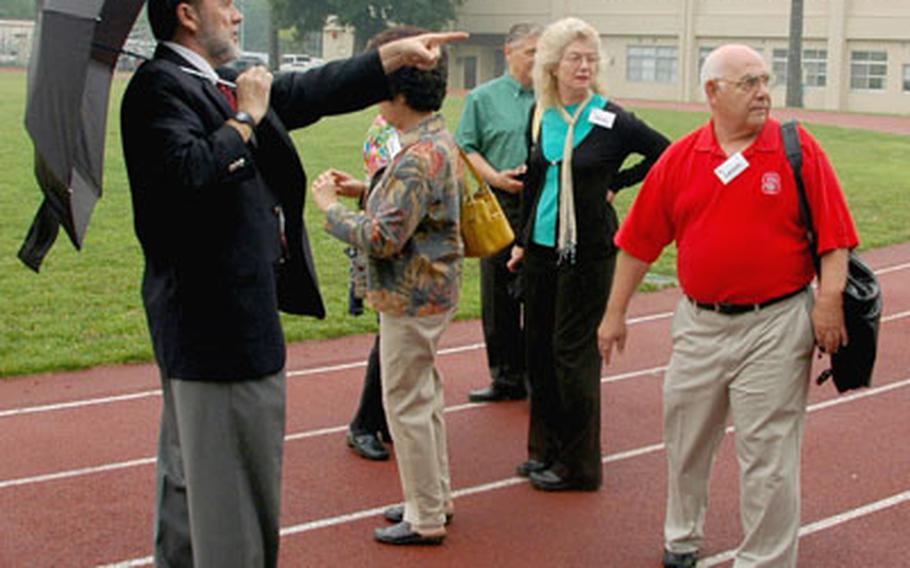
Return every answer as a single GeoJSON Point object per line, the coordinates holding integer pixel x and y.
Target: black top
{"type": "Point", "coordinates": [596, 164]}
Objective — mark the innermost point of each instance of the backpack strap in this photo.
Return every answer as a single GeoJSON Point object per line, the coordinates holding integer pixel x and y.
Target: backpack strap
{"type": "Point", "coordinates": [794, 153]}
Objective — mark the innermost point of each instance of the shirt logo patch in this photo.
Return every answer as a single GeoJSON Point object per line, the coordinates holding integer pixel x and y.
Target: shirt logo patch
{"type": "Point", "coordinates": [770, 183]}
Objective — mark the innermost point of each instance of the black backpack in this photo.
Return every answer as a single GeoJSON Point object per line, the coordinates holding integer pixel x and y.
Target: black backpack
{"type": "Point", "coordinates": [851, 367]}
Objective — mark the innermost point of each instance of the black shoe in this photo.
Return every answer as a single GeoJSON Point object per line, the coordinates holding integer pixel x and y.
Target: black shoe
{"type": "Point", "coordinates": [680, 559]}
{"type": "Point", "coordinates": [395, 514]}
{"type": "Point", "coordinates": [525, 469]}
{"type": "Point", "coordinates": [547, 480]}
{"type": "Point", "coordinates": [402, 534]}
{"type": "Point", "coordinates": [496, 393]}
{"type": "Point", "coordinates": [367, 446]}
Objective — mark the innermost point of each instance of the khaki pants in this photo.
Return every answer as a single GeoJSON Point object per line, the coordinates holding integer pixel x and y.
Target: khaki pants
{"type": "Point", "coordinates": [755, 367]}
{"type": "Point", "coordinates": [413, 397]}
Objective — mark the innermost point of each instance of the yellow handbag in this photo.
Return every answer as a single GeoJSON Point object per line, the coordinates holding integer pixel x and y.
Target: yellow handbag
{"type": "Point", "coordinates": [485, 229]}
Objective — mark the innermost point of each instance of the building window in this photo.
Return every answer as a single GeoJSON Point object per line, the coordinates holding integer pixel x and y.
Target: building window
{"type": "Point", "coordinates": [651, 64]}
{"type": "Point", "coordinates": [703, 53]}
{"type": "Point", "coordinates": [779, 59]}
{"type": "Point", "coordinates": [815, 67]}
{"type": "Point", "coordinates": [469, 79]}
{"type": "Point", "coordinates": [906, 77]}
{"type": "Point", "coordinates": [312, 43]}
{"type": "Point", "coordinates": [499, 63]}
{"type": "Point", "coordinates": [868, 70]}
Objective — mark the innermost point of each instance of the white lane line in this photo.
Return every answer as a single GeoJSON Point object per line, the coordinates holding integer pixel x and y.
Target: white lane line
{"type": "Point", "coordinates": [652, 371]}
{"type": "Point", "coordinates": [823, 524]}
{"type": "Point", "coordinates": [76, 472]}
{"type": "Point", "coordinates": [78, 403]}
{"type": "Point", "coordinates": [897, 316]}
{"type": "Point", "coordinates": [361, 364]}
{"type": "Point", "coordinates": [610, 458]}
{"type": "Point", "coordinates": [889, 269]}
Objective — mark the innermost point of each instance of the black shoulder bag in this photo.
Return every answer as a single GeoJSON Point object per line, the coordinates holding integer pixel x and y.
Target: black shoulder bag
{"type": "Point", "coordinates": [851, 367]}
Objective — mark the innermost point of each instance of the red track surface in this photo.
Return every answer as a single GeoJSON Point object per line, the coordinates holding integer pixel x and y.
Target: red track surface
{"type": "Point", "coordinates": [77, 482]}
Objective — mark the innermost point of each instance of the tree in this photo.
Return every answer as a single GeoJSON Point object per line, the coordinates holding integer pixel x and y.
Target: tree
{"type": "Point", "coordinates": [795, 56]}
{"type": "Point", "coordinates": [368, 17]}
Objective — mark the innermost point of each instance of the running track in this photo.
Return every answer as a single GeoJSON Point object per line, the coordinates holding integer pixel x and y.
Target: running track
{"type": "Point", "coordinates": [77, 474]}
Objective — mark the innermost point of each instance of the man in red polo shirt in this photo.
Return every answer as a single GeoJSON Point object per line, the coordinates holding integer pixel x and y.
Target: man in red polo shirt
{"type": "Point", "coordinates": [744, 333]}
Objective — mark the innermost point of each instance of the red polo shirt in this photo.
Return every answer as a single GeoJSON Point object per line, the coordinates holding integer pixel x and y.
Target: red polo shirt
{"type": "Point", "coordinates": [743, 242]}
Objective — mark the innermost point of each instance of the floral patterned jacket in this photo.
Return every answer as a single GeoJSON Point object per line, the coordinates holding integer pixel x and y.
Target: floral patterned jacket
{"type": "Point", "coordinates": [410, 227]}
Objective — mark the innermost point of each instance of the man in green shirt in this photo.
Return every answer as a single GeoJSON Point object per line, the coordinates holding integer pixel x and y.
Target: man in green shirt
{"type": "Point", "coordinates": [493, 133]}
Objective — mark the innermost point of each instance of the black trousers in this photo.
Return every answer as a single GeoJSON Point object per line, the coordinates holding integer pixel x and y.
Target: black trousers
{"type": "Point", "coordinates": [370, 416]}
{"type": "Point", "coordinates": [501, 309]}
{"type": "Point", "coordinates": [564, 307]}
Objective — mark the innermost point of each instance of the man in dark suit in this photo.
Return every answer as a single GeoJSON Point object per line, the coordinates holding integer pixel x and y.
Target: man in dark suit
{"type": "Point", "coordinates": [218, 194]}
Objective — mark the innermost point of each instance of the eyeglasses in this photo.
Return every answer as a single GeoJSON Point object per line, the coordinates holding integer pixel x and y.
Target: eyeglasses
{"type": "Point", "coordinates": [574, 59]}
{"type": "Point", "coordinates": [750, 82]}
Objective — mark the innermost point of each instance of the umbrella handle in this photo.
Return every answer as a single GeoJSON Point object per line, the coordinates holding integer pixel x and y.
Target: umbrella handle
{"type": "Point", "coordinates": [109, 49]}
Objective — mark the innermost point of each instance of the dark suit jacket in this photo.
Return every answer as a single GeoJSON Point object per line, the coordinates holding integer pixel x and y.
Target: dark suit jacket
{"type": "Point", "coordinates": [209, 211]}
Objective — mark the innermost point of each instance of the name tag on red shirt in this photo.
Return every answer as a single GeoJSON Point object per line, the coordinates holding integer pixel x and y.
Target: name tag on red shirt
{"type": "Point", "coordinates": [735, 165]}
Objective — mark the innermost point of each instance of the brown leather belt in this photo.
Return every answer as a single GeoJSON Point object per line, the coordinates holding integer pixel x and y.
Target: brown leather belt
{"type": "Point", "coordinates": [736, 309]}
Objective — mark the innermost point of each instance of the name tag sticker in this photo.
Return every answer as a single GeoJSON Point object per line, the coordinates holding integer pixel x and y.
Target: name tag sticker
{"type": "Point", "coordinates": [393, 145]}
{"type": "Point", "coordinates": [602, 117]}
{"type": "Point", "coordinates": [735, 165]}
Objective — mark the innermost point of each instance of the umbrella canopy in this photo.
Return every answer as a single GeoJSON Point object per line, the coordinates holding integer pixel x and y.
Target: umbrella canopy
{"type": "Point", "coordinates": [72, 62]}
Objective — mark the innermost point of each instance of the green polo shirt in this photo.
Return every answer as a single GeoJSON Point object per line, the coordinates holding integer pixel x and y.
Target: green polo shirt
{"type": "Point", "coordinates": [495, 121]}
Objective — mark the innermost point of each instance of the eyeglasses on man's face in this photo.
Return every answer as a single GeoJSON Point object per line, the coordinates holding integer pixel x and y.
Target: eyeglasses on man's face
{"type": "Point", "coordinates": [749, 83]}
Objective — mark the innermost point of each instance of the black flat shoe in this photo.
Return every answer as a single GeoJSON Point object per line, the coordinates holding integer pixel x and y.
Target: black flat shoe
{"type": "Point", "coordinates": [547, 480]}
{"type": "Point", "coordinates": [680, 559]}
{"type": "Point", "coordinates": [525, 469]}
{"type": "Point", "coordinates": [367, 446]}
{"type": "Point", "coordinates": [402, 534]}
{"type": "Point", "coordinates": [495, 393]}
{"type": "Point", "coordinates": [395, 514]}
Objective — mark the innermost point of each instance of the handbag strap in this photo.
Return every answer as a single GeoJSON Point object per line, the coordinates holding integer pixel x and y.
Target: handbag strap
{"type": "Point", "coordinates": [481, 184]}
{"type": "Point", "coordinates": [795, 156]}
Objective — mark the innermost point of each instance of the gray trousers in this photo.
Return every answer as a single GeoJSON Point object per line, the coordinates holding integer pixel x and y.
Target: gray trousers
{"type": "Point", "coordinates": [219, 472]}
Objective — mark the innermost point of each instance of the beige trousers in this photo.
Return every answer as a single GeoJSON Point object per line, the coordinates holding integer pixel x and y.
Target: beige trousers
{"type": "Point", "coordinates": [413, 397]}
{"type": "Point", "coordinates": [754, 367]}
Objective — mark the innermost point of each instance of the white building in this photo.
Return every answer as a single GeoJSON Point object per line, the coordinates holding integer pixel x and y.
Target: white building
{"type": "Point", "coordinates": [15, 41]}
{"type": "Point", "coordinates": [856, 52]}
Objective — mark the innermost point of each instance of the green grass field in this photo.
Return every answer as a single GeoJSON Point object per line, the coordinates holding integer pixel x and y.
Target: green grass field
{"type": "Point", "coordinates": [84, 309]}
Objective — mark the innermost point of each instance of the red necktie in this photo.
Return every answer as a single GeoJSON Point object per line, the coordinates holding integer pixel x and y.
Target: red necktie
{"type": "Point", "coordinates": [229, 95]}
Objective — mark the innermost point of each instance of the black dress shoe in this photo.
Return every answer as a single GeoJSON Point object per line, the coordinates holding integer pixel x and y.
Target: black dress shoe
{"type": "Point", "coordinates": [547, 480]}
{"type": "Point", "coordinates": [525, 469]}
{"type": "Point", "coordinates": [680, 559]}
{"type": "Point", "coordinates": [395, 514]}
{"type": "Point", "coordinates": [367, 446]}
{"type": "Point", "coordinates": [403, 534]}
{"type": "Point", "coordinates": [496, 393]}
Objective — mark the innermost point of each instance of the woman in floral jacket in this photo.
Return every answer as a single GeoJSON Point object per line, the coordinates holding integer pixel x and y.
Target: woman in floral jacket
{"type": "Point", "coordinates": [410, 232]}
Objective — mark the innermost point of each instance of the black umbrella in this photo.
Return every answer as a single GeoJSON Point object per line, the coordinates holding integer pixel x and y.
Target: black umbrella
{"type": "Point", "coordinates": [73, 58]}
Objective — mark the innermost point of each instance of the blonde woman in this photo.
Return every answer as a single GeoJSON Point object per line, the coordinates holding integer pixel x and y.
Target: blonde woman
{"type": "Point", "coordinates": [566, 244]}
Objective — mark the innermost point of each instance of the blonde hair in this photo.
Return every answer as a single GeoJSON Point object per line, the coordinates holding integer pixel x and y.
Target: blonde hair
{"type": "Point", "coordinates": [550, 47]}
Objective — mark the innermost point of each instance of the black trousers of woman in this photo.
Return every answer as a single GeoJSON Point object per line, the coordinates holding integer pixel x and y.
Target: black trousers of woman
{"type": "Point", "coordinates": [563, 308]}
{"type": "Point", "coordinates": [370, 416]}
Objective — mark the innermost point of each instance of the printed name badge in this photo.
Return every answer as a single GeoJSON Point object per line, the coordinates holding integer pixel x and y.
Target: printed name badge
{"type": "Point", "coordinates": [393, 145]}
{"type": "Point", "coordinates": [734, 166]}
{"type": "Point", "coordinates": [602, 117]}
